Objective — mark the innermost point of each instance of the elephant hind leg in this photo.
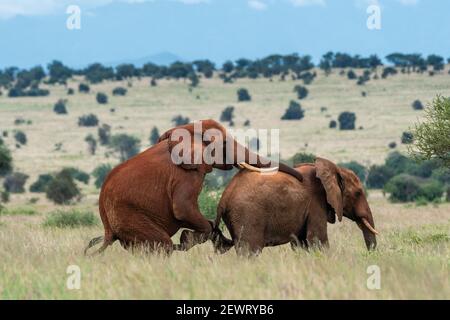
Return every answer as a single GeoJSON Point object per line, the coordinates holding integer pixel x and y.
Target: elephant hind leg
{"type": "Point", "coordinates": [138, 232]}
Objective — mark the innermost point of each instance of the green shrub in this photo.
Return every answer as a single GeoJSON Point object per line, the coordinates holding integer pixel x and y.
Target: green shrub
{"type": "Point", "coordinates": [70, 91]}
{"type": "Point", "coordinates": [431, 190]}
{"type": "Point", "coordinates": [104, 134]}
{"type": "Point", "coordinates": [301, 91]}
{"type": "Point", "coordinates": [40, 185]}
{"type": "Point", "coordinates": [14, 182]}
{"type": "Point", "coordinates": [448, 194]}
{"type": "Point", "coordinates": [60, 107]}
{"type": "Point", "coordinates": [302, 157]}
{"type": "Point", "coordinates": [88, 120]}
{"type": "Point", "coordinates": [227, 114]}
{"type": "Point", "coordinates": [417, 105]}
{"type": "Point", "coordinates": [70, 219]}
{"type": "Point", "coordinates": [333, 124]}
{"type": "Point", "coordinates": [62, 189]}
{"type": "Point", "coordinates": [442, 175]}
{"type": "Point", "coordinates": [243, 95]}
{"type": "Point", "coordinates": [399, 163]}
{"type": "Point", "coordinates": [154, 136]}
{"type": "Point", "coordinates": [20, 137]}
{"type": "Point", "coordinates": [347, 121]}
{"type": "Point", "coordinates": [351, 75]}
{"type": "Point", "coordinates": [77, 174]}
{"type": "Point", "coordinates": [84, 88]}
{"type": "Point", "coordinates": [119, 91]}
{"type": "Point", "coordinates": [4, 196]}
{"type": "Point", "coordinates": [403, 188]}
{"type": "Point", "coordinates": [92, 143]}
{"type": "Point", "coordinates": [125, 145]}
{"type": "Point", "coordinates": [378, 176]}
{"type": "Point", "coordinates": [6, 165]}
{"type": "Point", "coordinates": [100, 173]}
{"type": "Point", "coordinates": [357, 168]}
{"type": "Point", "coordinates": [179, 120]}
{"type": "Point", "coordinates": [294, 112]}
{"type": "Point", "coordinates": [101, 98]}
{"type": "Point", "coordinates": [407, 138]}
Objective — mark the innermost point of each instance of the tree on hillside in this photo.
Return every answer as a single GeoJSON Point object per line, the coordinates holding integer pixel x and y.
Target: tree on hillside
{"type": "Point", "coordinates": [126, 146]}
{"type": "Point", "coordinates": [58, 72]}
{"type": "Point", "coordinates": [154, 136]}
{"type": "Point", "coordinates": [431, 136]}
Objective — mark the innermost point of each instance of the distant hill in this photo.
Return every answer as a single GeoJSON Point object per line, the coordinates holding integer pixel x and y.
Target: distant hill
{"type": "Point", "coordinates": [162, 58]}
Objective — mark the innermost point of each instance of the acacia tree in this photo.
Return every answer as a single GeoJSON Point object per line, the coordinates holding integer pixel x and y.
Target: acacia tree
{"type": "Point", "coordinates": [432, 135]}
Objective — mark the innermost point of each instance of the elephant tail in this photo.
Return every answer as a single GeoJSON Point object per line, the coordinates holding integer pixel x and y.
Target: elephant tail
{"type": "Point", "coordinates": [221, 243]}
{"type": "Point", "coordinates": [94, 242]}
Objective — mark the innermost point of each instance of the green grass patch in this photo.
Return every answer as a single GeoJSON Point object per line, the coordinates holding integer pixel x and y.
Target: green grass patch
{"type": "Point", "coordinates": [432, 235]}
{"type": "Point", "coordinates": [208, 201]}
{"type": "Point", "coordinates": [18, 211]}
{"type": "Point", "coordinates": [71, 219]}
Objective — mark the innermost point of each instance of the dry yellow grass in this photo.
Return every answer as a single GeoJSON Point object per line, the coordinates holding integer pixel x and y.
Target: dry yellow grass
{"type": "Point", "coordinates": [413, 249]}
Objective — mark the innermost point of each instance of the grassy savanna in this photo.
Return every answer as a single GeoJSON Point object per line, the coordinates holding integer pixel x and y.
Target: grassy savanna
{"type": "Point", "coordinates": [413, 249]}
{"type": "Point", "coordinates": [413, 256]}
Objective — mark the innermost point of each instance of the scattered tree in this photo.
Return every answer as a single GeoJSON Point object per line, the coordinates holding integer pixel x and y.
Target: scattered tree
{"type": "Point", "coordinates": [347, 121]}
{"type": "Point", "coordinates": [294, 112]}
{"type": "Point", "coordinates": [100, 173]}
{"type": "Point", "coordinates": [14, 182]}
{"type": "Point", "coordinates": [243, 95]}
{"type": "Point", "coordinates": [227, 114]}
{"type": "Point", "coordinates": [60, 107]}
{"type": "Point", "coordinates": [126, 146]}
{"type": "Point", "coordinates": [92, 144]}
{"type": "Point", "coordinates": [102, 98]}
{"type": "Point", "coordinates": [89, 120]}
{"type": "Point", "coordinates": [62, 188]}
{"type": "Point", "coordinates": [154, 136]}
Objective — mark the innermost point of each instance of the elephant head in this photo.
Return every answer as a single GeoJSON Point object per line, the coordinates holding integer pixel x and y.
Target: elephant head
{"type": "Point", "coordinates": [227, 152]}
{"type": "Point", "coordinates": [346, 197]}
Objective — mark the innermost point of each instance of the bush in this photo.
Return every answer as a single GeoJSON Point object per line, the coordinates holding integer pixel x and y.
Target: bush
{"type": "Point", "coordinates": [70, 91]}
{"type": "Point", "coordinates": [357, 168]}
{"type": "Point", "coordinates": [388, 72]}
{"type": "Point", "coordinates": [127, 146]}
{"type": "Point", "coordinates": [20, 137]}
{"type": "Point", "coordinates": [392, 145]}
{"type": "Point", "coordinates": [417, 105]}
{"type": "Point", "coordinates": [4, 196]}
{"type": "Point", "coordinates": [100, 173]}
{"type": "Point", "coordinates": [333, 124]}
{"type": "Point", "coordinates": [294, 112]}
{"type": "Point", "coordinates": [101, 98]}
{"type": "Point", "coordinates": [14, 182]}
{"type": "Point", "coordinates": [60, 107]}
{"type": "Point", "coordinates": [6, 165]}
{"type": "Point", "coordinates": [84, 88]}
{"type": "Point", "coordinates": [154, 136]}
{"type": "Point", "coordinates": [347, 121]}
{"type": "Point", "coordinates": [398, 163]}
{"type": "Point", "coordinates": [448, 194]}
{"type": "Point", "coordinates": [227, 114]}
{"type": "Point", "coordinates": [351, 75]}
{"type": "Point", "coordinates": [119, 91]}
{"type": "Point", "coordinates": [407, 138]}
{"type": "Point", "coordinates": [40, 185]}
{"type": "Point", "coordinates": [104, 134]}
{"type": "Point", "coordinates": [89, 120]}
{"type": "Point", "coordinates": [153, 83]}
{"type": "Point", "coordinates": [71, 219]}
{"type": "Point", "coordinates": [378, 176]}
{"type": "Point", "coordinates": [62, 189]}
{"type": "Point", "coordinates": [302, 157]}
{"type": "Point", "coordinates": [243, 95]}
{"type": "Point", "coordinates": [403, 188]}
{"type": "Point", "coordinates": [92, 143]}
{"type": "Point", "coordinates": [407, 188]}
{"type": "Point", "coordinates": [442, 175]}
{"type": "Point", "coordinates": [302, 92]}
{"type": "Point", "coordinates": [77, 174]}
{"type": "Point", "coordinates": [432, 191]}
{"type": "Point", "coordinates": [179, 120]}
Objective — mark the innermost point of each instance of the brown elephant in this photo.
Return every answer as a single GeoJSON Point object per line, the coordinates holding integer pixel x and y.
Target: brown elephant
{"type": "Point", "coordinates": [147, 199]}
{"type": "Point", "coordinates": [262, 211]}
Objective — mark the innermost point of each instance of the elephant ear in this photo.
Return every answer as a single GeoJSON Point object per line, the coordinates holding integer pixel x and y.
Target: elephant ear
{"type": "Point", "coordinates": [196, 153]}
{"type": "Point", "coordinates": [328, 173]}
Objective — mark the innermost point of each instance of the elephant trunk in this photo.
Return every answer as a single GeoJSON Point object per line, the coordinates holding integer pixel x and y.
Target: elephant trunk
{"type": "Point", "coordinates": [242, 154]}
{"type": "Point", "coordinates": [369, 232]}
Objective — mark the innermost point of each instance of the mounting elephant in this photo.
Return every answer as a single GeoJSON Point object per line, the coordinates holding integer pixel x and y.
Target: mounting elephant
{"type": "Point", "coordinates": [147, 199]}
{"type": "Point", "coordinates": [262, 211]}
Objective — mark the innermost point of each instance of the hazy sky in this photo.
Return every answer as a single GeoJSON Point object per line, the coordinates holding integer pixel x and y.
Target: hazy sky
{"type": "Point", "coordinates": [34, 31]}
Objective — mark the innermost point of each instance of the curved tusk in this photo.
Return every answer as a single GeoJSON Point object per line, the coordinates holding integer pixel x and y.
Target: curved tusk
{"type": "Point", "coordinates": [371, 229]}
{"type": "Point", "coordinates": [244, 165]}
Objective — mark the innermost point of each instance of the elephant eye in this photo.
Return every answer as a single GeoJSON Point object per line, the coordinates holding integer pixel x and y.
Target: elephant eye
{"type": "Point", "coordinates": [358, 194]}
